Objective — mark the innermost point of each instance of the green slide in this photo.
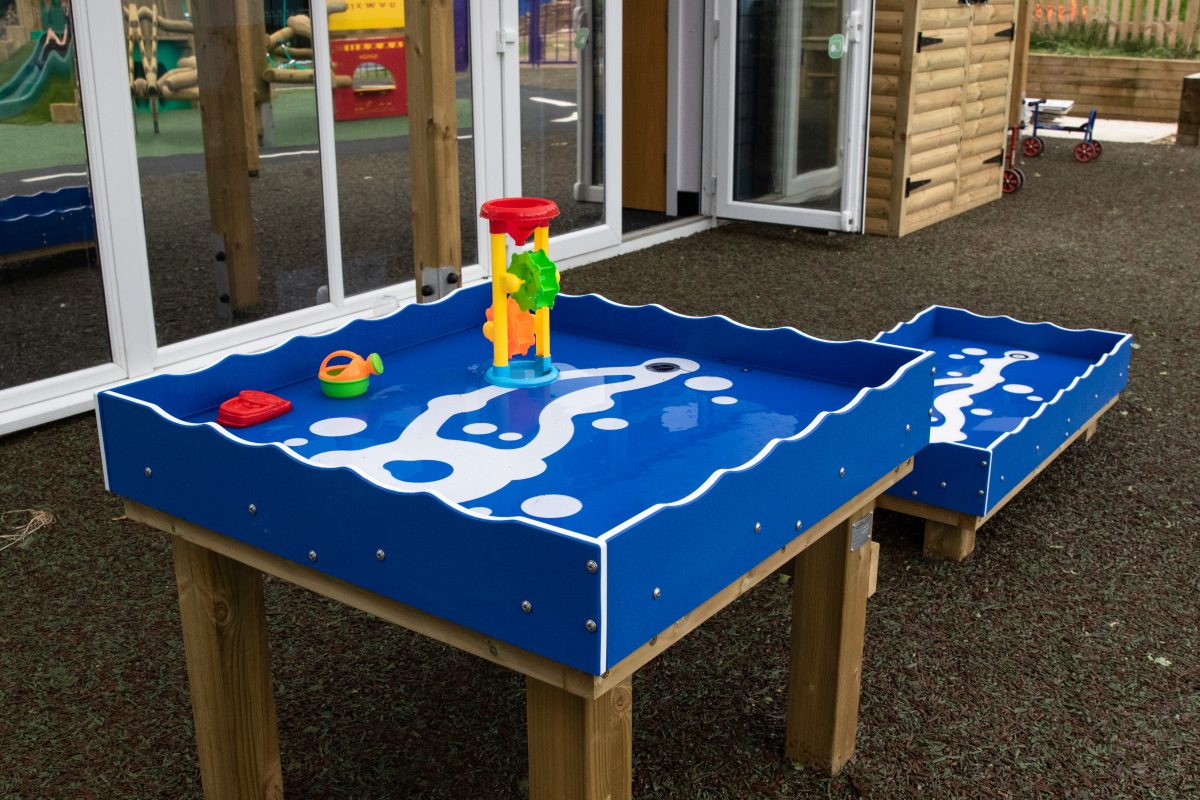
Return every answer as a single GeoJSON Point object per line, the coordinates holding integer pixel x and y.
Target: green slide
{"type": "Point", "coordinates": [25, 87]}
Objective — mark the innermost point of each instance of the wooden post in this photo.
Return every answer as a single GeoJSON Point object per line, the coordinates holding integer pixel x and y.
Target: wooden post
{"type": "Point", "coordinates": [580, 749]}
{"type": "Point", "coordinates": [1189, 112]}
{"type": "Point", "coordinates": [223, 102]}
{"type": "Point", "coordinates": [229, 669]}
{"type": "Point", "coordinates": [950, 542]}
{"type": "Point", "coordinates": [829, 612]}
{"type": "Point", "coordinates": [1020, 70]}
{"type": "Point", "coordinates": [253, 63]}
{"type": "Point", "coordinates": [432, 134]}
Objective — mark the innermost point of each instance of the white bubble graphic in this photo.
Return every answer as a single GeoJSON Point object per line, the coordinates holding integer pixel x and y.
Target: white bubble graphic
{"type": "Point", "coordinates": [295, 441]}
{"type": "Point", "coordinates": [981, 412]}
{"type": "Point", "coordinates": [610, 423]}
{"type": "Point", "coordinates": [337, 426]}
{"type": "Point", "coordinates": [975, 351]}
{"type": "Point", "coordinates": [479, 428]}
{"type": "Point", "coordinates": [551, 506]}
{"type": "Point", "coordinates": [724, 400]}
{"type": "Point", "coordinates": [1017, 388]}
{"type": "Point", "coordinates": [957, 356]}
{"type": "Point", "coordinates": [708, 383]}
{"type": "Point", "coordinates": [511, 436]}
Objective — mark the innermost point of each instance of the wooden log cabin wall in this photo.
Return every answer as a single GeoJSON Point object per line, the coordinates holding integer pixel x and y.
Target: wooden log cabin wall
{"type": "Point", "coordinates": [940, 90]}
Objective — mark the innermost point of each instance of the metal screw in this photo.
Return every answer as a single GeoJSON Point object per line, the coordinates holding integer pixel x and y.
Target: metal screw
{"type": "Point", "coordinates": [149, 472]}
{"type": "Point", "coordinates": [914, 492]}
{"type": "Point", "coordinates": [933, 371]}
{"type": "Point", "coordinates": [1037, 447]}
{"type": "Point", "coordinates": [983, 463]}
{"type": "Point", "coordinates": [758, 527]}
{"type": "Point", "coordinates": [943, 484]}
{"type": "Point", "coordinates": [931, 412]}
{"type": "Point", "coordinates": [1001, 477]}
{"type": "Point", "coordinates": [527, 606]}
{"type": "Point", "coordinates": [592, 566]}
{"type": "Point", "coordinates": [380, 555]}
{"type": "Point", "coordinates": [590, 625]}
{"type": "Point", "coordinates": [799, 524]}
{"type": "Point", "coordinates": [981, 492]}
{"type": "Point", "coordinates": [253, 509]}
{"type": "Point", "coordinates": [312, 555]}
{"type": "Point", "coordinates": [842, 472]}
{"type": "Point", "coordinates": [657, 593]}
{"type": "Point", "coordinates": [907, 428]}
{"type": "Point", "coordinates": [1068, 419]}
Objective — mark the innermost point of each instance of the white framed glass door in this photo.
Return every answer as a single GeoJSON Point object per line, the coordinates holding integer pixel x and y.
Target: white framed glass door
{"type": "Point", "coordinates": [557, 95]}
{"type": "Point", "coordinates": [792, 92]}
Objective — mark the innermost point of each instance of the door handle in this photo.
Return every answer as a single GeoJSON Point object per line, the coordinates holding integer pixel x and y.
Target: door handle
{"type": "Point", "coordinates": [505, 38]}
{"type": "Point", "coordinates": [854, 26]}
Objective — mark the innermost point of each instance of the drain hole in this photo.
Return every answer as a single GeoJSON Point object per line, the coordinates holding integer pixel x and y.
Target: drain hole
{"type": "Point", "coordinates": [662, 366]}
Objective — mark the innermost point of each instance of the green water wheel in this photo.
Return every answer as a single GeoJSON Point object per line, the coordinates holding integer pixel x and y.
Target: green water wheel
{"type": "Point", "coordinates": [539, 280]}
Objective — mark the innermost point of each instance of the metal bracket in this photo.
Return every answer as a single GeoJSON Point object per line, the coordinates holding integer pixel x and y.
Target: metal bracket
{"type": "Point", "coordinates": [221, 274]}
{"type": "Point", "coordinates": [911, 186]}
{"type": "Point", "coordinates": [927, 41]}
{"type": "Point", "coordinates": [860, 531]}
{"type": "Point", "coordinates": [437, 282]}
{"type": "Point", "coordinates": [996, 159]}
{"type": "Point", "coordinates": [1007, 33]}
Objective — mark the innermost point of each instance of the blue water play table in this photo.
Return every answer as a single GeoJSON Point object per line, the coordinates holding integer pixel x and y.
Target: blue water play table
{"type": "Point", "coordinates": [570, 532]}
{"type": "Point", "coordinates": [1010, 397]}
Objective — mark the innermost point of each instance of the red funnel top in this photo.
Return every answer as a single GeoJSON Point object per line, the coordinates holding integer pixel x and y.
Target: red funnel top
{"type": "Point", "coordinates": [518, 216]}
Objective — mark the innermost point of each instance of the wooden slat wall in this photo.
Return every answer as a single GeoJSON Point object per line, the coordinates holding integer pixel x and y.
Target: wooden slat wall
{"type": "Point", "coordinates": [939, 114]}
{"type": "Point", "coordinates": [1118, 88]}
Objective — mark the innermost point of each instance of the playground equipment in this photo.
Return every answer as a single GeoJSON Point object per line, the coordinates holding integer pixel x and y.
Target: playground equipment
{"type": "Point", "coordinates": [1014, 178]}
{"type": "Point", "coordinates": [522, 294]}
{"type": "Point", "coordinates": [287, 62]}
{"type": "Point", "coordinates": [52, 57]}
{"type": "Point", "coordinates": [1033, 145]}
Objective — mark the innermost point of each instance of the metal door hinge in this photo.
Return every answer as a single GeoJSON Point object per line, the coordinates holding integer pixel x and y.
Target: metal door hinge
{"type": "Point", "coordinates": [911, 186]}
{"type": "Point", "coordinates": [924, 41]}
{"type": "Point", "coordinates": [1007, 33]}
{"type": "Point", "coordinates": [996, 159]}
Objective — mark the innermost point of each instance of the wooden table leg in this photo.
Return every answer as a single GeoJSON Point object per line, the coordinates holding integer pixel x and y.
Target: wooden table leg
{"type": "Point", "coordinates": [580, 749]}
{"type": "Point", "coordinates": [229, 669]}
{"type": "Point", "coordinates": [829, 612]}
{"type": "Point", "coordinates": [951, 542]}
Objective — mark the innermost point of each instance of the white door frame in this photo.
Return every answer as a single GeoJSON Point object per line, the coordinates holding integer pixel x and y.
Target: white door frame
{"type": "Point", "coordinates": [857, 25]}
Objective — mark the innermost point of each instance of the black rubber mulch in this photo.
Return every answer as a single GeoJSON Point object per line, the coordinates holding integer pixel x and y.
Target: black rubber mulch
{"type": "Point", "coordinates": [1062, 660]}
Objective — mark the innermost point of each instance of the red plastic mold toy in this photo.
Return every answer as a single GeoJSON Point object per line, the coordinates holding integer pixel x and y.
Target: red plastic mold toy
{"type": "Point", "coordinates": [251, 407]}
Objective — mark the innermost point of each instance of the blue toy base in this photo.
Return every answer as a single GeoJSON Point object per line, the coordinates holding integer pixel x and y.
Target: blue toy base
{"type": "Point", "coordinates": [523, 374]}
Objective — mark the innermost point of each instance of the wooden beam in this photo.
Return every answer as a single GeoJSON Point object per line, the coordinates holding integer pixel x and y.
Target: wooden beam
{"type": "Point", "coordinates": [951, 542]}
{"type": "Point", "coordinates": [252, 62]}
{"type": "Point", "coordinates": [829, 612]}
{"type": "Point", "coordinates": [1189, 112]}
{"type": "Point", "coordinates": [433, 134]}
{"type": "Point", "coordinates": [229, 670]}
{"type": "Point", "coordinates": [1020, 69]}
{"type": "Point", "coordinates": [579, 748]}
{"type": "Point", "coordinates": [223, 99]}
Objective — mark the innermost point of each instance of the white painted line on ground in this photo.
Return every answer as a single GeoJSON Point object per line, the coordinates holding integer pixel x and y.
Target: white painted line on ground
{"type": "Point", "coordinates": [466, 136]}
{"type": "Point", "coordinates": [291, 153]}
{"type": "Point", "coordinates": [551, 102]}
{"type": "Point", "coordinates": [573, 118]}
{"type": "Point", "coordinates": [37, 178]}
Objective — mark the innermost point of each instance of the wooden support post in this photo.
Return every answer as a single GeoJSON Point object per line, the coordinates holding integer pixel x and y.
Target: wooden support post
{"type": "Point", "coordinates": [433, 134]}
{"type": "Point", "coordinates": [219, 66]}
{"type": "Point", "coordinates": [580, 749]}
{"type": "Point", "coordinates": [1020, 69]}
{"type": "Point", "coordinates": [829, 612]}
{"type": "Point", "coordinates": [1189, 112]}
{"type": "Point", "coordinates": [950, 542]}
{"type": "Point", "coordinates": [229, 669]}
{"type": "Point", "coordinates": [252, 60]}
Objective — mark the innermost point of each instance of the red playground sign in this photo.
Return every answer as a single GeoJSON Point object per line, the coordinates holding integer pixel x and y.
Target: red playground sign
{"type": "Point", "coordinates": [377, 66]}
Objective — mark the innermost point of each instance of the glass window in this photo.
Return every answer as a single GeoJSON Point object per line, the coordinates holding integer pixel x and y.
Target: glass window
{"type": "Point", "coordinates": [52, 312]}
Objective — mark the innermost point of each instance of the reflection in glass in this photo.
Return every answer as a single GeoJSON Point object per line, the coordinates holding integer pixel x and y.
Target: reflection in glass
{"type": "Point", "coordinates": [788, 104]}
{"type": "Point", "coordinates": [373, 161]}
{"type": "Point", "coordinates": [52, 312]}
{"type": "Point", "coordinates": [562, 108]}
{"type": "Point", "coordinates": [226, 131]}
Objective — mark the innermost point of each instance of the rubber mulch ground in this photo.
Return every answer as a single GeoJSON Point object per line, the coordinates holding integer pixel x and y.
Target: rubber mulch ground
{"type": "Point", "coordinates": [1061, 660]}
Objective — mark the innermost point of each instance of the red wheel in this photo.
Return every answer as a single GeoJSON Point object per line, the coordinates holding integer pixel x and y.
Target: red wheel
{"type": "Point", "coordinates": [1020, 177]}
{"type": "Point", "coordinates": [1083, 152]}
{"type": "Point", "coordinates": [1012, 181]}
{"type": "Point", "coordinates": [1032, 146]}
{"type": "Point", "coordinates": [1097, 148]}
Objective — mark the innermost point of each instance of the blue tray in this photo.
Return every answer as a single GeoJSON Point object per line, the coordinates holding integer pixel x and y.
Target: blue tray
{"type": "Point", "coordinates": [46, 219]}
{"type": "Point", "coordinates": [1009, 393]}
{"type": "Point", "coordinates": [674, 453]}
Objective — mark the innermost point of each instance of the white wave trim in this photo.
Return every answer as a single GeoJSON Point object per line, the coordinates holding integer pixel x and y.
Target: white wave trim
{"type": "Point", "coordinates": [1020, 322]}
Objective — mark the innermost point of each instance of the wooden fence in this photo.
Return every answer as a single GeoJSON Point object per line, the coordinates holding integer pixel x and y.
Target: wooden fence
{"type": "Point", "coordinates": [1118, 88]}
{"type": "Point", "coordinates": [1166, 23]}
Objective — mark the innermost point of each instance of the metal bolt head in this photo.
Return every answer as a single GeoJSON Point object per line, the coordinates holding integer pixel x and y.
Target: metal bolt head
{"type": "Point", "coordinates": [981, 492]}
{"type": "Point", "coordinates": [914, 492]}
{"type": "Point", "coordinates": [592, 567]}
{"type": "Point", "coordinates": [758, 527]}
{"type": "Point", "coordinates": [590, 625]}
{"type": "Point", "coordinates": [943, 484]}
{"type": "Point", "coordinates": [983, 463]}
{"type": "Point", "coordinates": [657, 593]}
{"type": "Point", "coordinates": [149, 472]}
{"type": "Point", "coordinates": [380, 555]}
{"type": "Point", "coordinates": [253, 509]}
{"type": "Point", "coordinates": [799, 524]}
{"type": "Point", "coordinates": [527, 606]}
{"type": "Point", "coordinates": [933, 371]}
{"type": "Point", "coordinates": [841, 472]}
{"type": "Point", "coordinates": [312, 555]}
{"type": "Point", "coordinates": [931, 412]}
{"type": "Point", "coordinates": [1001, 477]}
{"type": "Point", "coordinates": [907, 428]}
